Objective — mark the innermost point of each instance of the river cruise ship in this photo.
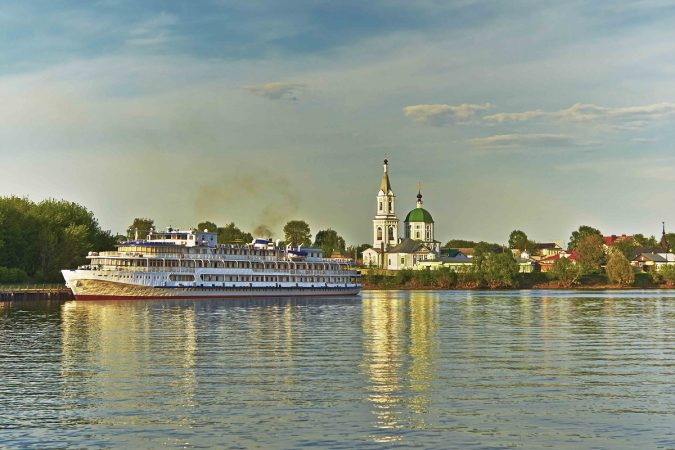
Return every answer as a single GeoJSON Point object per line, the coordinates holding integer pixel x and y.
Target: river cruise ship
{"type": "Point", "coordinates": [190, 264]}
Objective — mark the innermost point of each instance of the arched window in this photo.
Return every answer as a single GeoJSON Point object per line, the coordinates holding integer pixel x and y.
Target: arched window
{"type": "Point", "coordinates": [380, 206]}
{"type": "Point", "coordinates": [379, 233]}
{"type": "Point", "coordinates": [390, 208]}
{"type": "Point", "coordinates": [391, 233]}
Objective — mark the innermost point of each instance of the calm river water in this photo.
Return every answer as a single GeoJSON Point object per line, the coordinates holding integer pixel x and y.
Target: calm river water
{"type": "Point", "coordinates": [528, 369]}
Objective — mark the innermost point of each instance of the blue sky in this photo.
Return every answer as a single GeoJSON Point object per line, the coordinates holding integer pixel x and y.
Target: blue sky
{"type": "Point", "coordinates": [533, 115]}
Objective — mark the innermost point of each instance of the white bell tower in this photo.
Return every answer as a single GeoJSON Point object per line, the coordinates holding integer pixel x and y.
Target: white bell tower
{"type": "Point", "coordinates": [385, 223]}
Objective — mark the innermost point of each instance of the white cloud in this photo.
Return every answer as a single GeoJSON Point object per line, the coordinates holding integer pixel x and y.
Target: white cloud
{"type": "Point", "coordinates": [517, 140]}
{"type": "Point", "coordinates": [643, 140]}
{"type": "Point", "coordinates": [515, 117]}
{"type": "Point", "coordinates": [278, 90]}
{"type": "Point", "coordinates": [439, 114]}
{"type": "Point", "coordinates": [628, 117]}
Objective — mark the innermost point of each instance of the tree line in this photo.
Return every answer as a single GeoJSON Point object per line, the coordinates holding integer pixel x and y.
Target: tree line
{"type": "Point", "coordinates": [296, 232]}
{"type": "Point", "coordinates": [37, 240]}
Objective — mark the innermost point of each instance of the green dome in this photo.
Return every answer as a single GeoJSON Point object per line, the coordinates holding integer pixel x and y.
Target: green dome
{"type": "Point", "coordinates": [419, 215]}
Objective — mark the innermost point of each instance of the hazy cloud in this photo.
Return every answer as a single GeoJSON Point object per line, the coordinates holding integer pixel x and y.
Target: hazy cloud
{"type": "Point", "coordinates": [643, 140]}
{"type": "Point", "coordinates": [439, 114]}
{"type": "Point", "coordinates": [629, 117]}
{"type": "Point", "coordinates": [278, 90]}
{"type": "Point", "coordinates": [153, 31]}
{"type": "Point", "coordinates": [517, 140]}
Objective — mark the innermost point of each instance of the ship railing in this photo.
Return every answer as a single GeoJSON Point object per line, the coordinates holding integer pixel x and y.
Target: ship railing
{"type": "Point", "coordinates": [239, 270]}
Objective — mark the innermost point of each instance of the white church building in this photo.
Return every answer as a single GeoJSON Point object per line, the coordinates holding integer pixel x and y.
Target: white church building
{"type": "Point", "coordinates": [394, 253]}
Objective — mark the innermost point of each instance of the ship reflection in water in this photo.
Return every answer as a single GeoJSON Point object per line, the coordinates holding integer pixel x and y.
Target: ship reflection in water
{"type": "Point", "coordinates": [112, 358]}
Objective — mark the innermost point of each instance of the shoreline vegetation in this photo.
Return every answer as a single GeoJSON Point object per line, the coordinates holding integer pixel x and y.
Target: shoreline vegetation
{"type": "Point", "coordinates": [445, 279]}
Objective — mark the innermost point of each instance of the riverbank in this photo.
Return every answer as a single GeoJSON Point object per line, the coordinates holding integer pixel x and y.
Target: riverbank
{"type": "Point", "coordinates": [10, 293]}
{"type": "Point", "coordinates": [446, 279]}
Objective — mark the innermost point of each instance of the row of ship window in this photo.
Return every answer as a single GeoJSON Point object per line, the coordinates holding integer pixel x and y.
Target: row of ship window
{"type": "Point", "coordinates": [204, 251]}
{"type": "Point", "coordinates": [275, 279]}
{"type": "Point", "coordinates": [215, 264]}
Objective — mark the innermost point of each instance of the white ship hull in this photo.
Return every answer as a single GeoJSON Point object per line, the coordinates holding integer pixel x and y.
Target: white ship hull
{"type": "Point", "coordinates": [89, 285]}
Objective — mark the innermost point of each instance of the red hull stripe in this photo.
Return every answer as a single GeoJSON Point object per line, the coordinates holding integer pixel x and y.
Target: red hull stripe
{"type": "Point", "coordinates": [183, 297]}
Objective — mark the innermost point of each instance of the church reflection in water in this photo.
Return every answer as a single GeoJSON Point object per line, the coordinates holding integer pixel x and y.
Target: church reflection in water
{"type": "Point", "coordinates": [400, 359]}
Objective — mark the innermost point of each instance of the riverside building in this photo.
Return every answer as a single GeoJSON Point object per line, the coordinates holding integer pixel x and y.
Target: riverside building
{"type": "Point", "coordinates": [391, 251]}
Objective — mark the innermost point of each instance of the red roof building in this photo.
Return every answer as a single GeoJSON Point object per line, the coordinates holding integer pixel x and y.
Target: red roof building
{"type": "Point", "coordinates": [546, 264]}
{"type": "Point", "coordinates": [609, 241]}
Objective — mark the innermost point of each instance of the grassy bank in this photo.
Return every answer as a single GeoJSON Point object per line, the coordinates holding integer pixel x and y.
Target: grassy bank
{"type": "Point", "coordinates": [447, 279]}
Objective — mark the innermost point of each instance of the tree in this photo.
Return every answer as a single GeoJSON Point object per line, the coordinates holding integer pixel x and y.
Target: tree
{"type": "Point", "coordinates": [329, 241]}
{"type": "Point", "coordinates": [565, 272]}
{"type": "Point", "coordinates": [667, 274]}
{"type": "Point", "coordinates": [670, 238]}
{"type": "Point", "coordinates": [649, 242]}
{"type": "Point", "coordinates": [298, 232]}
{"type": "Point", "coordinates": [230, 234]}
{"type": "Point", "coordinates": [582, 232]}
{"type": "Point", "coordinates": [356, 251]}
{"type": "Point", "coordinates": [518, 239]}
{"type": "Point", "coordinates": [590, 253]}
{"type": "Point", "coordinates": [627, 247]}
{"type": "Point", "coordinates": [41, 239]}
{"type": "Point", "coordinates": [460, 243]}
{"type": "Point", "coordinates": [143, 225]}
{"type": "Point", "coordinates": [480, 252]}
{"type": "Point", "coordinates": [619, 269]}
{"type": "Point", "coordinates": [207, 225]}
{"type": "Point", "coordinates": [500, 270]}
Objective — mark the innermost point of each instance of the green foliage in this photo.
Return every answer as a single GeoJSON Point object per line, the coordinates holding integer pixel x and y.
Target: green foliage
{"type": "Point", "coordinates": [667, 275]}
{"type": "Point", "coordinates": [12, 275]}
{"type": "Point", "coordinates": [446, 278]}
{"type": "Point", "coordinates": [627, 247]}
{"type": "Point", "coordinates": [518, 239]}
{"type": "Point", "coordinates": [499, 270]}
{"type": "Point", "coordinates": [357, 251]}
{"type": "Point", "coordinates": [298, 232]}
{"type": "Point", "coordinates": [580, 234]}
{"type": "Point", "coordinates": [207, 225]}
{"type": "Point", "coordinates": [328, 240]}
{"type": "Point", "coordinates": [643, 241]}
{"type": "Point", "coordinates": [230, 234]}
{"type": "Point", "coordinates": [619, 269]}
{"type": "Point", "coordinates": [566, 272]}
{"type": "Point", "coordinates": [460, 243]}
{"type": "Point", "coordinates": [670, 237]}
{"type": "Point", "coordinates": [142, 225]}
{"type": "Point", "coordinates": [590, 253]}
{"type": "Point", "coordinates": [644, 280]}
{"type": "Point", "coordinates": [480, 252]}
{"type": "Point", "coordinates": [41, 239]}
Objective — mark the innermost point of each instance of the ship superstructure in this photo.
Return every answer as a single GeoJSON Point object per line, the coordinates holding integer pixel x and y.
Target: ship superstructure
{"type": "Point", "coordinates": [190, 264]}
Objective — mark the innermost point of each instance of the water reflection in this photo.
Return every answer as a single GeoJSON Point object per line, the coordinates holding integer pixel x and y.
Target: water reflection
{"type": "Point", "coordinates": [395, 369]}
{"type": "Point", "coordinates": [111, 349]}
{"type": "Point", "coordinates": [400, 356]}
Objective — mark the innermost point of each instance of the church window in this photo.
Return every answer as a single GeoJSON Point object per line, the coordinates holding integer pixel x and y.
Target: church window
{"type": "Point", "coordinates": [390, 208]}
{"type": "Point", "coordinates": [417, 235]}
{"type": "Point", "coordinates": [379, 233]}
{"type": "Point", "coordinates": [380, 206]}
{"type": "Point", "coordinates": [391, 233]}
{"type": "Point", "coordinates": [402, 260]}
